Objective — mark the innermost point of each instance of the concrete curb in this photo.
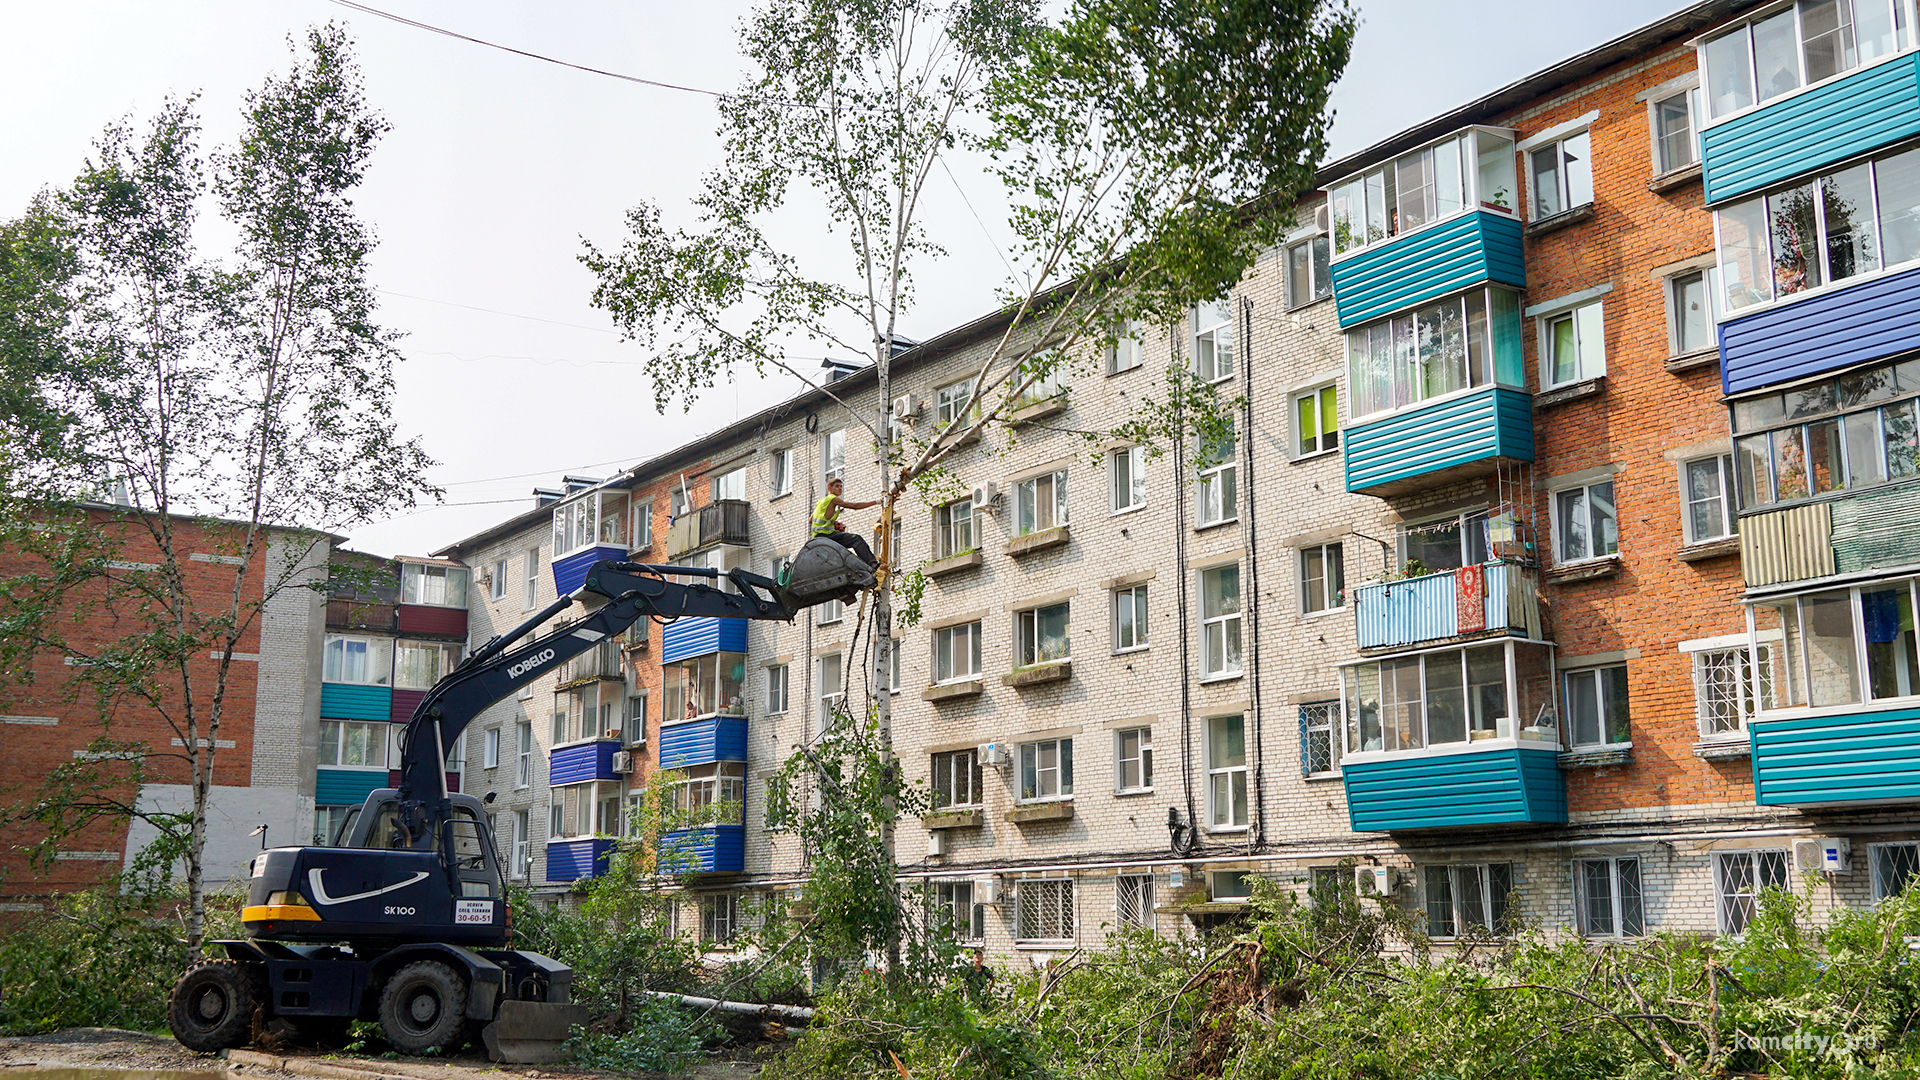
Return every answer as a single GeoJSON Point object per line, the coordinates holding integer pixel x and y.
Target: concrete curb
{"type": "Point", "coordinates": [301, 1066]}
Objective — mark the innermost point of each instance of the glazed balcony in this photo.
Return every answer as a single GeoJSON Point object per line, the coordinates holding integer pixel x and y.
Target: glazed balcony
{"type": "Point", "coordinates": [1505, 785]}
{"type": "Point", "coordinates": [705, 849]}
{"type": "Point", "coordinates": [1425, 445]}
{"type": "Point", "coordinates": [1470, 602]}
{"type": "Point", "coordinates": [579, 762]}
{"type": "Point", "coordinates": [723, 521]}
{"type": "Point", "coordinates": [1414, 268]}
{"type": "Point", "coordinates": [571, 860]}
{"type": "Point", "coordinates": [1811, 129]}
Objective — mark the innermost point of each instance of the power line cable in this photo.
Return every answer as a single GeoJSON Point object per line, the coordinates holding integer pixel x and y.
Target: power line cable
{"type": "Point", "coordinates": [495, 311]}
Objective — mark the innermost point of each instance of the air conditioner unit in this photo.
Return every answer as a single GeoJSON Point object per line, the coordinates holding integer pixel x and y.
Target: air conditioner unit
{"type": "Point", "coordinates": [622, 762]}
{"type": "Point", "coordinates": [905, 408]}
{"type": "Point", "coordinates": [1375, 880]}
{"type": "Point", "coordinates": [1320, 218]}
{"type": "Point", "coordinates": [937, 842]}
{"type": "Point", "coordinates": [1828, 855]}
{"type": "Point", "coordinates": [995, 754]}
{"type": "Point", "coordinates": [986, 496]}
{"type": "Point", "coordinates": [986, 890]}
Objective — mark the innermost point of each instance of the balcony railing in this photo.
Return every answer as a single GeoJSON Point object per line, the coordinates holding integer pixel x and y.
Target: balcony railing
{"type": "Point", "coordinates": [1402, 273]}
{"type": "Point", "coordinates": [1474, 601]}
{"type": "Point", "coordinates": [1854, 532]}
{"type": "Point", "coordinates": [361, 615]}
{"type": "Point", "coordinates": [723, 521]}
{"type": "Point", "coordinates": [704, 849]}
{"type": "Point", "coordinates": [603, 661]}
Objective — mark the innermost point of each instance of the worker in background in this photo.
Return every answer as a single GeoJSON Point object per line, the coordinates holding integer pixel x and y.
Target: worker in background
{"type": "Point", "coordinates": [826, 522]}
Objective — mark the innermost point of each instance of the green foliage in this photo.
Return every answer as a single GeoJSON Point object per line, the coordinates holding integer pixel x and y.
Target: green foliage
{"type": "Point", "coordinates": [103, 957]}
{"type": "Point", "coordinates": [660, 1037]}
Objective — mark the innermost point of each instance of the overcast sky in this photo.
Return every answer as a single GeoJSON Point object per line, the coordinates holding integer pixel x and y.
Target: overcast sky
{"type": "Point", "coordinates": [498, 164]}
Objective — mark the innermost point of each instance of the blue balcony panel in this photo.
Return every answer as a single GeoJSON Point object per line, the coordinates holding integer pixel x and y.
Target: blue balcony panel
{"type": "Point", "coordinates": [570, 573]}
{"type": "Point", "coordinates": [1869, 757]}
{"type": "Point", "coordinates": [351, 701]}
{"type": "Point", "coordinates": [582, 762]}
{"type": "Point", "coordinates": [1853, 324]}
{"type": "Point", "coordinates": [1513, 785]}
{"type": "Point", "coordinates": [1868, 109]}
{"type": "Point", "coordinates": [571, 860]}
{"type": "Point", "coordinates": [682, 638]}
{"type": "Point", "coordinates": [1394, 614]}
{"type": "Point", "coordinates": [1411, 270]}
{"type": "Point", "coordinates": [705, 849]}
{"type": "Point", "coordinates": [1457, 437]}
{"type": "Point", "coordinates": [703, 742]}
{"type": "Point", "coordinates": [346, 787]}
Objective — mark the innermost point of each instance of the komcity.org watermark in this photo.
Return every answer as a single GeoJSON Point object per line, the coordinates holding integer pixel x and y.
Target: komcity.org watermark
{"type": "Point", "coordinates": [1805, 1042]}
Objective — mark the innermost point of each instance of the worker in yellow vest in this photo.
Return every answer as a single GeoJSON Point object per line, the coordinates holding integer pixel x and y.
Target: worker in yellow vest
{"type": "Point", "coordinates": [826, 522]}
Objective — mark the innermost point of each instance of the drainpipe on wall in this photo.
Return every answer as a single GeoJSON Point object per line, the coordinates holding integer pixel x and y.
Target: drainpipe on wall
{"type": "Point", "coordinates": [1253, 573]}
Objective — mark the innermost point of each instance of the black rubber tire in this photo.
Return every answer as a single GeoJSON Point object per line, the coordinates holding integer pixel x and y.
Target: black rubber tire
{"type": "Point", "coordinates": [211, 1007]}
{"type": "Point", "coordinates": [423, 1008]}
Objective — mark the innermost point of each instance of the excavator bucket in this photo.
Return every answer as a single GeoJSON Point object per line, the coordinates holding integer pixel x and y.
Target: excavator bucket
{"type": "Point", "coordinates": [824, 571]}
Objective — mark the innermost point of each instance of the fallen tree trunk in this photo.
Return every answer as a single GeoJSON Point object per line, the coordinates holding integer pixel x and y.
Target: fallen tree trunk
{"type": "Point", "coordinates": [790, 1013]}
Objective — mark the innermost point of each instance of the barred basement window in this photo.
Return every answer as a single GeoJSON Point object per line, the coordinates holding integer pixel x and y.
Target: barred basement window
{"type": "Point", "coordinates": [955, 911]}
{"type": "Point", "coordinates": [1608, 897]}
{"type": "Point", "coordinates": [1133, 900]}
{"type": "Point", "coordinates": [1894, 868]}
{"type": "Point", "coordinates": [1044, 911]}
{"type": "Point", "coordinates": [719, 918]}
{"type": "Point", "coordinates": [1318, 751]}
{"type": "Point", "coordinates": [1738, 878]}
{"type": "Point", "coordinates": [1462, 898]}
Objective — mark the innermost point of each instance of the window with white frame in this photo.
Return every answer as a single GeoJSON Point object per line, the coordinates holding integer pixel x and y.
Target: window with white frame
{"type": "Point", "coordinates": [1127, 350]}
{"type": "Point", "coordinates": [418, 665]}
{"type": "Point", "coordinates": [1692, 309]}
{"type": "Point", "coordinates": [530, 566]}
{"type": "Point", "coordinates": [1230, 885]}
{"type": "Point", "coordinates": [950, 402]}
{"type": "Point", "coordinates": [595, 517]}
{"type": "Point", "coordinates": [780, 472]}
{"type": "Point", "coordinates": [1133, 759]}
{"type": "Point", "coordinates": [896, 666]}
{"type": "Point", "coordinates": [1725, 692]}
{"type": "Point", "coordinates": [1675, 124]}
{"type": "Point", "coordinates": [1835, 435]}
{"type": "Point", "coordinates": [1213, 340]}
{"type": "Point", "coordinates": [523, 763]}
{"type": "Point", "coordinates": [1319, 750]}
{"type": "Point", "coordinates": [833, 456]}
{"type": "Point", "coordinates": [1467, 341]}
{"type": "Point", "coordinates": [1448, 698]}
{"type": "Point", "coordinates": [435, 586]}
{"type": "Point", "coordinates": [1838, 646]}
{"type": "Point", "coordinates": [1895, 866]}
{"type": "Point", "coordinates": [635, 721]}
{"type": "Point", "coordinates": [362, 661]}
{"type": "Point", "coordinates": [731, 484]}
{"type": "Point", "coordinates": [1707, 487]}
{"type": "Point", "coordinates": [1043, 910]}
{"type": "Point", "coordinates": [520, 859]}
{"type": "Point", "coordinates": [643, 525]}
{"type": "Point", "coordinates": [833, 690]}
{"type": "Point", "coordinates": [1127, 479]}
{"type": "Point", "coordinates": [1790, 47]}
{"type": "Point", "coordinates": [490, 749]}
{"type": "Point", "coordinates": [1461, 899]}
{"type": "Point", "coordinates": [1040, 378]}
{"type": "Point", "coordinates": [954, 529]}
{"type": "Point", "coordinates": [584, 810]}
{"type": "Point", "coordinates": [1446, 543]}
{"type": "Point", "coordinates": [1133, 900]}
{"type": "Point", "coordinates": [713, 793]}
{"type": "Point", "coordinates": [955, 911]}
{"type": "Point", "coordinates": [1130, 618]}
{"type": "Point", "coordinates": [353, 743]}
{"type": "Point", "coordinates": [957, 780]}
{"type": "Point", "coordinates": [1220, 622]}
{"type": "Point", "coordinates": [1316, 421]}
{"type": "Point", "coordinates": [956, 653]}
{"type": "Point", "coordinates": [1046, 770]}
{"type": "Point", "coordinates": [719, 918]}
{"type": "Point", "coordinates": [1596, 706]}
{"type": "Point", "coordinates": [1308, 278]}
{"type": "Point", "coordinates": [1607, 897]}
{"type": "Point", "coordinates": [1560, 176]}
{"type": "Point", "coordinates": [1573, 345]}
{"type": "Point", "coordinates": [828, 612]}
{"type": "Point", "coordinates": [1043, 635]}
{"type": "Point", "coordinates": [1040, 503]}
{"type": "Point", "coordinates": [1323, 579]}
{"type": "Point", "coordinates": [1218, 499]}
{"type": "Point", "coordinates": [1469, 170]}
{"type": "Point", "coordinates": [497, 580]}
{"type": "Point", "coordinates": [776, 689]}
{"type": "Point", "coordinates": [1584, 523]}
{"type": "Point", "coordinates": [1738, 877]}
{"type": "Point", "coordinates": [1227, 772]}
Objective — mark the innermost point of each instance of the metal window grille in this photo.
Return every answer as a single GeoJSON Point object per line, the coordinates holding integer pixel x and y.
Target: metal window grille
{"type": "Point", "coordinates": [1317, 750]}
{"type": "Point", "coordinates": [1046, 910]}
{"type": "Point", "coordinates": [1723, 689]}
{"type": "Point", "coordinates": [1894, 868]}
{"type": "Point", "coordinates": [1740, 876]}
{"type": "Point", "coordinates": [1133, 900]}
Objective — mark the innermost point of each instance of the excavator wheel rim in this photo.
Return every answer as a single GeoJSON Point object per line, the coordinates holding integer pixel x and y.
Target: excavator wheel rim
{"type": "Point", "coordinates": [211, 1006]}
{"type": "Point", "coordinates": [423, 1007]}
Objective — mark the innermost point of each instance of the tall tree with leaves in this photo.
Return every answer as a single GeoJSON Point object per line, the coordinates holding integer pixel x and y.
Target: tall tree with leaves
{"type": "Point", "coordinates": [1144, 146]}
{"type": "Point", "coordinates": [250, 398]}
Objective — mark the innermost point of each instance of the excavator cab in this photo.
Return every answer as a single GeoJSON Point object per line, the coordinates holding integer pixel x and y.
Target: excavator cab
{"type": "Point", "coordinates": [824, 570]}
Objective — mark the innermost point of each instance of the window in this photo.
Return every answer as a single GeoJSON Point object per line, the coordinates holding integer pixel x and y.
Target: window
{"type": "Point", "coordinates": [780, 472]}
{"type": "Point", "coordinates": [1584, 525]}
{"type": "Point", "coordinates": [581, 810]}
{"type": "Point", "coordinates": [953, 529]}
{"type": "Point", "coordinates": [1127, 351]}
{"type": "Point", "coordinates": [1227, 772]}
{"type": "Point", "coordinates": [1220, 622]}
{"type": "Point", "coordinates": [521, 859]}
{"type": "Point", "coordinates": [1834, 644]}
{"type": "Point", "coordinates": [596, 517]}
{"type": "Point", "coordinates": [1453, 696]}
{"type": "Point", "coordinates": [1462, 342]}
{"type": "Point", "coordinates": [359, 660]}
{"type": "Point", "coordinates": [530, 565]}
{"type": "Point", "coordinates": [643, 524]}
{"type": "Point", "coordinates": [1329, 886]}
{"type": "Point", "coordinates": [490, 749]}
{"type": "Point", "coordinates": [1692, 310]}
{"type": "Point", "coordinates": [1738, 878]}
{"type": "Point", "coordinates": [679, 501]}
{"type": "Point", "coordinates": [1596, 704]}
{"type": "Point", "coordinates": [1724, 694]}
{"type": "Point", "coordinates": [950, 402]}
{"type": "Point", "coordinates": [955, 911]}
{"type": "Point", "coordinates": [1469, 170]}
{"type": "Point", "coordinates": [776, 689]}
{"type": "Point", "coordinates": [1319, 751]}
{"type": "Point", "coordinates": [523, 765]}
{"type": "Point", "coordinates": [634, 722]}
{"type": "Point", "coordinates": [1127, 478]}
{"type": "Point", "coordinates": [1038, 378]}
{"type": "Point", "coordinates": [1676, 133]}
{"type": "Point", "coordinates": [1447, 544]}
{"type": "Point", "coordinates": [1044, 911]}
{"type": "Point", "coordinates": [418, 665]}
{"type": "Point", "coordinates": [1041, 503]}
{"type": "Point", "coordinates": [353, 743]}
{"type": "Point", "coordinates": [1130, 618]}
{"type": "Point", "coordinates": [439, 586]}
{"type": "Point", "coordinates": [1323, 580]}
{"type": "Point", "coordinates": [1133, 759]}
{"type": "Point", "coordinates": [833, 456]}
{"type": "Point", "coordinates": [731, 484]}
{"type": "Point", "coordinates": [1830, 442]}
{"type": "Point", "coordinates": [719, 918]}
{"type": "Point", "coordinates": [1219, 465]}
{"type": "Point", "coordinates": [703, 686]}
{"type": "Point", "coordinates": [1707, 487]}
{"type": "Point", "coordinates": [1574, 345]}
{"type": "Point", "coordinates": [956, 780]}
{"type": "Point", "coordinates": [1043, 635]}
{"type": "Point", "coordinates": [497, 580]}
{"type": "Point", "coordinates": [1561, 176]}
{"type": "Point", "coordinates": [1046, 770]}
{"type": "Point", "coordinates": [1316, 421]}
{"type": "Point", "coordinates": [1460, 899]}
{"type": "Point", "coordinates": [713, 793]}
{"type": "Point", "coordinates": [1133, 900]}
{"type": "Point", "coordinates": [1213, 340]}
{"type": "Point", "coordinates": [1894, 868]}
{"type": "Point", "coordinates": [829, 612]}
{"type": "Point", "coordinates": [1607, 897]}
{"type": "Point", "coordinates": [896, 666]}
{"type": "Point", "coordinates": [1230, 885]}
{"type": "Point", "coordinates": [833, 691]}
{"type": "Point", "coordinates": [327, 821]}
{"type": "Point", "coordinates": [1308, 278]}
{"type": "Point", "coordinates": [1770, 56]}
{"type": "Point", "coordinates": [956, 653]}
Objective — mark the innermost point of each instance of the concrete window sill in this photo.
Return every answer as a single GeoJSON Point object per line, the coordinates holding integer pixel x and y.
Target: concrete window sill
{"type": "Point", "coordinates": [1037, 541]}
{"type": "Point", "coordinates": [1061, 810]}
{"type": "Point", "coordinates": [1698, 358]}
{"type": "Point", "coordinates": [953, 691]}
{"type": "Point", "coordinates": [1039, 674]}
{"type": "Point", "coordinates": [1678, 178]}
{"type": "Point", "coordinates": [1560, 395]}
{"type": "Point", "coordinates": [1592, 570]}
{"type": "Point", "coordinates": [1711, 549]}
{"type": "Point", "coordinates": [1723, 749]}
{"type": "Point", "coordinates": [953, 564]}
{"type": "Point", "coordinates": [1597, 758]}
{"type": "Point", "coordinates": [954, 819]}
{"type": "Point", "coordinates": [1048, 407]}
{"type": "Point", "coordinates": [1560, 221]}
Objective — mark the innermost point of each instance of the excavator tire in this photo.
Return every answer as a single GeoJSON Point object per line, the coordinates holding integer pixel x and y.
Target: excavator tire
{"type": "Point", "coordinates": [211, 1007]}
{"type": "Point", "coordinates": [423, 1008]}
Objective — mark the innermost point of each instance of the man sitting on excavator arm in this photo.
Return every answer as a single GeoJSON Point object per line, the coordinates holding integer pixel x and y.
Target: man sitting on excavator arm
{"type": "Point", "coordinates": [826, 522]}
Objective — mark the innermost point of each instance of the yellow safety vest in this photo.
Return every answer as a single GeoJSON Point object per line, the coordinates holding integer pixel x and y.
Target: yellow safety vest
{"type": "Point", "coordinates": [823, 516]}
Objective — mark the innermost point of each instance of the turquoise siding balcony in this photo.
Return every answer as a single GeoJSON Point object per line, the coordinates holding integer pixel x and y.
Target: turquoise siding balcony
{"type": "Point", "coordinates": [705, 849]}
{"type": "Point", "coordinates": [1509, 786]}
{"type": "Point", "coordinates": [1502, 599]}
{"type": "Point", "coordinates": [1411, 270]}
{"type": "Point", "coordinates": [1806, 132]}
{"type": "Point", "coordinates": [1425, 445]}
{"type": "Point", "coordinates": [346, 787]}
{"type": "Point", "coordinates": [571, 860]}
{"type": "Point", "coordinates": [1854, 758]}
{"type": "Point", "coordinates": [351, 701]}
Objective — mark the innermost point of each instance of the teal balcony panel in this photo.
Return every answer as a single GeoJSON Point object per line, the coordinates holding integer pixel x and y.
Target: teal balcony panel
{"type": "Point", "coordinates": [1811, 131]}
{"type": "Point", "coordinates": [1490, 600]}
{"type": "Point", "coordinates": [1851, 758]}
{"type": "Point", "coordinates": [1423, 266]}
{"type": "Point", "coordinates": [1510, 786]}
{"type": "Point", "coordinates": [352, 701]}
{"type": "Point", "coordinates": [1427, 444]}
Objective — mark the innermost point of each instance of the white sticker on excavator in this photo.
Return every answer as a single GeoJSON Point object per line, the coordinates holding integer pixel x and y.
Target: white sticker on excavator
{"type": "Point", "coordinates": [473, 911]}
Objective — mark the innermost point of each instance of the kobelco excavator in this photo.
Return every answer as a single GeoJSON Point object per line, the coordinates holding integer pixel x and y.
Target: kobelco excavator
{"type": "Point", "coordinates": [404, 919]}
